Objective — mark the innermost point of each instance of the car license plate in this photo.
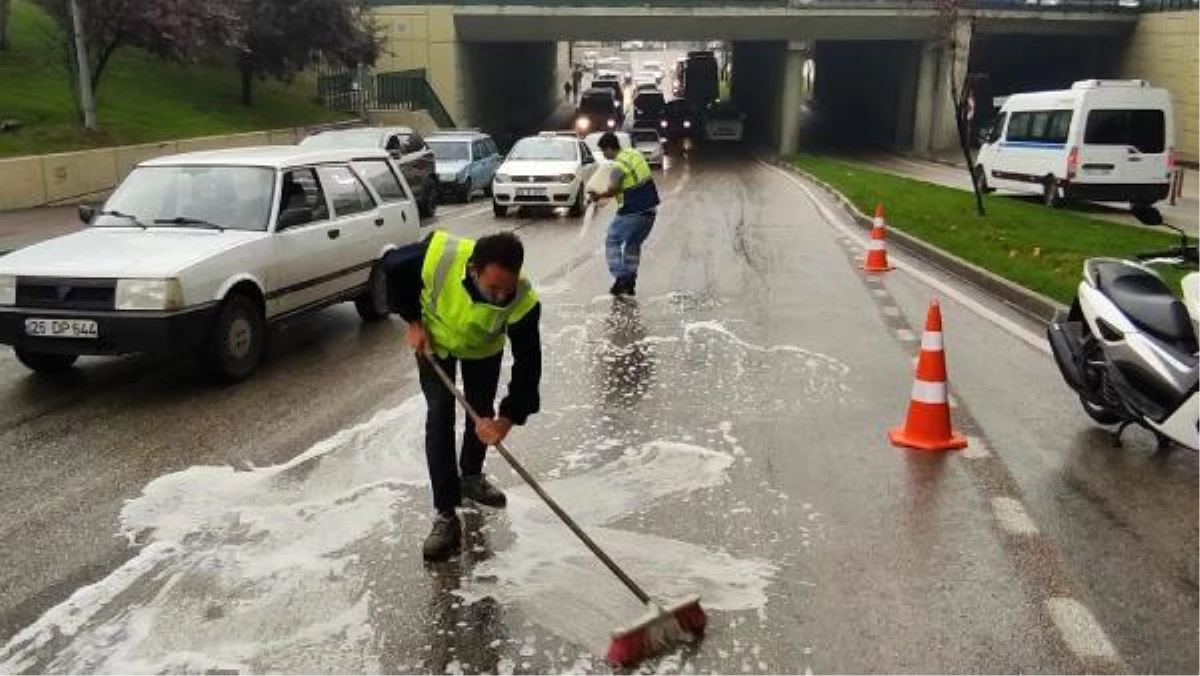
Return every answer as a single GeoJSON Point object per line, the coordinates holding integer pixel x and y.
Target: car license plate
{"type": "Point", "coordinates": [62, 328]}
{"type": "Point", "coordinates": [530, 192]}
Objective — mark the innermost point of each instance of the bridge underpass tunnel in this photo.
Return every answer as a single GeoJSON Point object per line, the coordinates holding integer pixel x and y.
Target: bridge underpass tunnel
{"type": "Point", "coordinates": [510, 88]}
{"type": "Point", "coordinates": [897, 95]}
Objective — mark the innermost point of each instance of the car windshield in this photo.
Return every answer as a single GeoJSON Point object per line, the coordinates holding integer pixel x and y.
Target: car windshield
{"type": "Point", "coordinates": [545, 149]}
{"type": "Point", "coordinates": [237, 198]}
{"type": "Point", "coordinates": [599, 102]}
{"type": "Point", "coordinates": [347, 138]}
{"type": "Point", "coordinates": [450, 151]}
{"type": "Point", "coordinates": [644, 136]}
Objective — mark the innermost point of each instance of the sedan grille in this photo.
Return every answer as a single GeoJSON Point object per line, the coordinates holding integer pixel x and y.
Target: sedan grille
{"type": "Point", "coordinates": [66, 294]}
{"type": "Point", "coordinates": [533, 179]}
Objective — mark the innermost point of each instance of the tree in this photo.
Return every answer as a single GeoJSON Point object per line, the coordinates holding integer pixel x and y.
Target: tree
{"type": "Point", "coordinates": [283, 37]}
{"type": "Point", "coordinates": [5, 24]}
{"type": "Point", "coordinates": [956, 47]}
{"type": "Point", "coordinates": [176, 30]}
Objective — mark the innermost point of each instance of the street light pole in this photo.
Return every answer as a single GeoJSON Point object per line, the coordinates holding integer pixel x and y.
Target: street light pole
{"type": "Point", "coordinates": [84, 71]}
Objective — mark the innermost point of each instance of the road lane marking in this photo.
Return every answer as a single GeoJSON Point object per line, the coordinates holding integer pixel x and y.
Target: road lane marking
{"type": "Point", "coordinates": [977, 449]}
{"type": "Point", "coordinates": [1080, 629]}
{"type": "Point", "coordinates": [1038, 562]}
{"type": "Point", "coordinates": [1030, 338]}
{"type": "Point", "coordinates": [906, 335]}
{"type": "Point", "coordinates": [1013, 518]}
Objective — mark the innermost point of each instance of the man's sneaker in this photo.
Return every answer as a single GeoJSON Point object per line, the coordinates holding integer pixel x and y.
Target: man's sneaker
{"type": "Point", "coordinates": [478, 489]}
{"type": "Point", "coordinates": [624, 286]}
{"type": "Point", "coordinates": [445, 538]}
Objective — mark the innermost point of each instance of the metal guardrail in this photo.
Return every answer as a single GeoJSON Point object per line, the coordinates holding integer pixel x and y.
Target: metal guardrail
{"type": "Point", "coordinates": [397, 90]}
{"type": "Point", "coordinates": [1113, 6]}
{"type": "Point", "coordinates": [1169, 5]}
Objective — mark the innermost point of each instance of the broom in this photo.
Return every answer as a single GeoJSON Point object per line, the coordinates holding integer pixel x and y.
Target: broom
{"type": "Point", "coordinates": [662, 626]}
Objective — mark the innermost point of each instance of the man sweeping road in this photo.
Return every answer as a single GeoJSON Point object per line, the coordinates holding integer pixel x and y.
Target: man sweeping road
{"type": "Point", "coordinates": [461, 298]}
{"type": "Point", "coordinates": [632, 184]}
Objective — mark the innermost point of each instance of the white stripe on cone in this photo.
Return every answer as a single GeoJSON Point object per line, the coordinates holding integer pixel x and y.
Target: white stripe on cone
{"type": "Point", "coordinates": [878, 222]}
{"type": "Point", "coordinates": [931, 341]}
{"type": "Point", "coordinates": [929, 393]}
{"type": "Point", "coordinates": [877, 245]}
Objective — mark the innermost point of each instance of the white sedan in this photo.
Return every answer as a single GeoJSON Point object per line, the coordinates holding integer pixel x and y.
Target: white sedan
{"type": "Point", "coordinates": [204, 251]}
{"type": "Point", "coordinates": [547, 170]}
{"type": "Point", "coordinates": [647, 141]}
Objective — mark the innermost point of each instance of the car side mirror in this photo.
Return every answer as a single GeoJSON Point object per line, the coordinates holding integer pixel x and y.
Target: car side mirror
{"type": "Point", "coordinates": [86, 213]}
{"type": "Point", "coordinates": [293, 217]}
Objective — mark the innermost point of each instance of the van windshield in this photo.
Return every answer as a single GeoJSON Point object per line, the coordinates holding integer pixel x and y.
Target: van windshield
{"type": "Point", "coordinates": [1145, 130]}
{"type": "Point", "coordinates": [600, 103]}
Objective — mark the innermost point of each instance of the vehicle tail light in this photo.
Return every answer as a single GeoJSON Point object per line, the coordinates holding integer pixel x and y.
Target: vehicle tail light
{"type": "Point", "coordinates": [1171, 159]}
{"type": "Point", "coordinates": [1073, 162]}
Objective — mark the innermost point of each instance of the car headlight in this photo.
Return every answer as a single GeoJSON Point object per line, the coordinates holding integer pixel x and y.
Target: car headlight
{"type": "Point", "coordinates": [149, 294]}
{"type": "Point", "coordinates": [663, 124]}
{"type": "Point", "coordinates": [8, 290]}
{"type": "Point", "coordinates": [612, 124]}
{"type": "Point", "coordinates": [687, 124]}
{"type": "Point", "coordinates": [583, 124]}
{"type": "Point", "coordinates": [566, 178]}
{"type": "Point", "coordinates": [503, 178]}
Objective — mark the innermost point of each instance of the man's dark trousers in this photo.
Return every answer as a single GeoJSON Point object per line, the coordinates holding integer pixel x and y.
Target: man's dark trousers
{"type": "Point", "coordinates": [480, 380]}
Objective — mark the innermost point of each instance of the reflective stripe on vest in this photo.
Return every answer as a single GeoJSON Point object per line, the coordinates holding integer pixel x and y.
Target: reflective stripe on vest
{"type": "Point", "coordinates": [460, 326]}
{"type": "Point", "coordinates": [634, 171]}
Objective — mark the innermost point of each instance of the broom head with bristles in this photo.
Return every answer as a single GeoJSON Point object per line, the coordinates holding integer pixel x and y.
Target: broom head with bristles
{"type": "Point", "coordinates": [658, 631]}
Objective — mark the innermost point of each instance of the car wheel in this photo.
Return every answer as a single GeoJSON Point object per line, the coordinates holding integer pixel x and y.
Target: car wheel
{"type": "Point", "coordinates": [499, 210]}
{"type": "Point", "coordinates": [45, 362]}
{"type": "Point", "coordinates": [1050, 196]}
{"type": "Point", "coordinates": [576, 209]}
{"type": "Point", "coordinates": [429, 206]}
{"type": "Point", "coordinates": [465, 193]}
{"type": "Point", "coordinates": [372, 305]}
{"type": "Point", "coordinates": [487, 191]}
{"type": "Point", "coordinates": [236, 343]}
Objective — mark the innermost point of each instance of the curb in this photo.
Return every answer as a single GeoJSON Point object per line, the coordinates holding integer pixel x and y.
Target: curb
{"type": "Point", "coordinates": [1026, 301]}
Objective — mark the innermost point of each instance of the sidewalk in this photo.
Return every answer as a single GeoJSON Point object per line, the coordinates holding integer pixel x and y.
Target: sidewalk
{"type": "Point", "coordinates": [30, 226]}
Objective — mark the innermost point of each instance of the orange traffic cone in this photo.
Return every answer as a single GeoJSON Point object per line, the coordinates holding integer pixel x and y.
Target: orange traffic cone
{"type": "Point", "coordinates": [877, 259]}
{"type": "Point", "coordinates": [928, 424]}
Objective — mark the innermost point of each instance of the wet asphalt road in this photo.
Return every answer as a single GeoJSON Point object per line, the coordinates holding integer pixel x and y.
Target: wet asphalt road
{"type": "Point", "coordinates": [723, 433]}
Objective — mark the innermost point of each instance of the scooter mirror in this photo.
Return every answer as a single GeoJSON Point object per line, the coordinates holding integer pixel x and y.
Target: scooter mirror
{"type": "Point", "coordinates": [1148, 215]}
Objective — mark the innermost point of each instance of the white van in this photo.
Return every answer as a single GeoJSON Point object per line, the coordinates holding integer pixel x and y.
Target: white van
{"type": "Point", "coordinates": [1101, 141]}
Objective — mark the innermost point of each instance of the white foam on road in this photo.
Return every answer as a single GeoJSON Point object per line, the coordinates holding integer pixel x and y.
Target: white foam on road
{"type": "Point", "coordinates": [253, 570]}
{"type": "Point", "coordinates": [263, 571]}
{"type": "Point", "coordinates": [548, 562]}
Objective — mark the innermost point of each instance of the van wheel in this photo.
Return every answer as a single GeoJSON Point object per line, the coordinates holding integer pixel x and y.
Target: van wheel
{"type": "Point", "coordinates": [1050, 196]}
{"type": "Point", "coordinates": [372, 305]}
{"type": "Point", "coordinates": [45, 362]}
{"type": "Point", "coordinates": [236, 343]}
{"type": "Point", "coordinates": [467, 191]}
{"type": "Point", "coordinates": [980, 176]}
{"type": "Point", "coordinates": [499, 210]}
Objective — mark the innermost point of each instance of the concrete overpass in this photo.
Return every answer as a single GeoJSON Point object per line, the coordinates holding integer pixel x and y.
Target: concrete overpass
{"type": "Point", "coordinates": [881, 78]}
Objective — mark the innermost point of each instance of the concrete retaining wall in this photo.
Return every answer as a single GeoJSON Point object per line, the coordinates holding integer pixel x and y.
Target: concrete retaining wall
{"type": "Point", "coordinates": [68, 178]}
{"type": "Point", "coordinates": [1165, 49]}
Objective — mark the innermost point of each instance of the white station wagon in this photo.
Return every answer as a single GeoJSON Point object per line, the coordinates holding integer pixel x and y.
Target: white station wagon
{"type": "Point", "coordinates": [204, 251]}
